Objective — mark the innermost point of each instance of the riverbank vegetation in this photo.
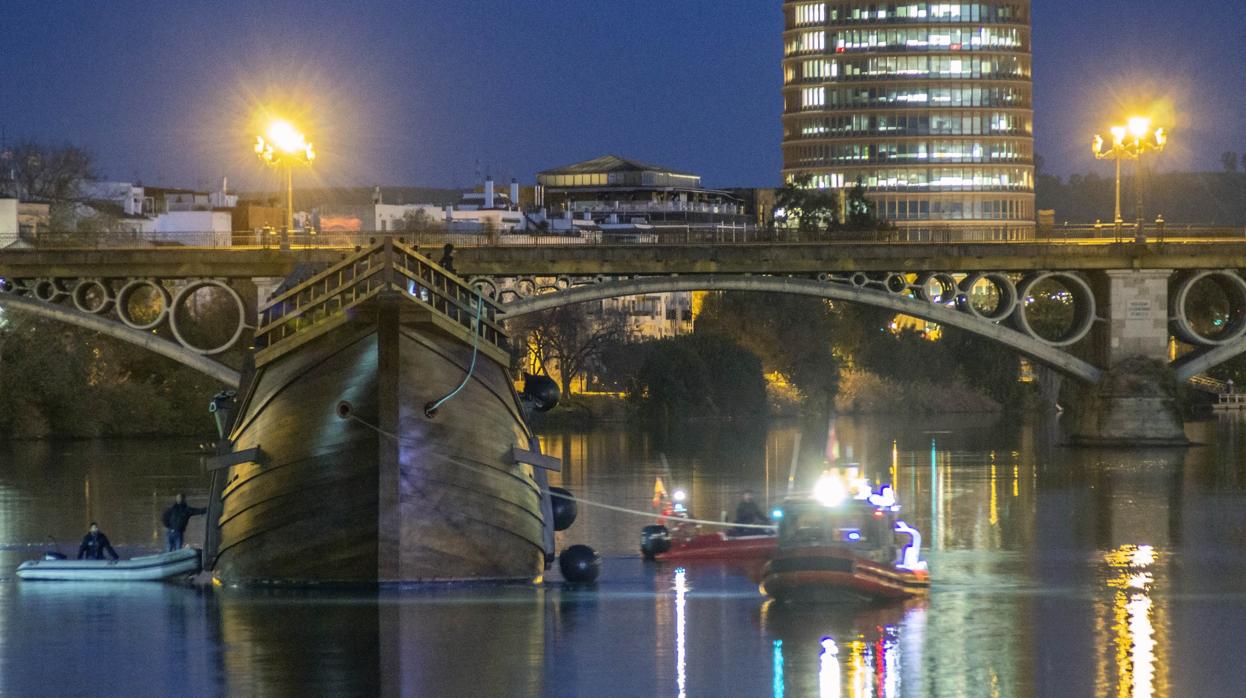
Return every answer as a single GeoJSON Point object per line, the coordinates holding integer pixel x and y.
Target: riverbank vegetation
{"type": "Point", "coordinates": [751, 355]}
{"type": "Point", "coordinates": [58, 380]}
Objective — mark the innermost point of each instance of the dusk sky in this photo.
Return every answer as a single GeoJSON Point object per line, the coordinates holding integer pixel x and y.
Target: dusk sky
{"type": "Point", "coordinates": [425, 92]}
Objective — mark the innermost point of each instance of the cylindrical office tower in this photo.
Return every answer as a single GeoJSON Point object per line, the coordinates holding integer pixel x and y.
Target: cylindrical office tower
{"type": "Point", "coordinates": [929, 105]}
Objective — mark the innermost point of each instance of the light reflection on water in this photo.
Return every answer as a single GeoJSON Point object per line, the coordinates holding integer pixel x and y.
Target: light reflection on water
{"type": "Point", "coordinates": [1056, 572]}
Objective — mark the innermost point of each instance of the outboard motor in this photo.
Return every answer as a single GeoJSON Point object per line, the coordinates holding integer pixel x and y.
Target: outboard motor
{"type": "Point", "coordinates": [540, 393]}
{"type": "Point", "coordinates": [222, 409]}
{"type": "Point", "coordinates": [655, 539]}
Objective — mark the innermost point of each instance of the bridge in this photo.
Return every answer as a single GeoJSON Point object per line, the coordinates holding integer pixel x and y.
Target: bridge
{"type": "Point", "coordinates": [1130, 299]}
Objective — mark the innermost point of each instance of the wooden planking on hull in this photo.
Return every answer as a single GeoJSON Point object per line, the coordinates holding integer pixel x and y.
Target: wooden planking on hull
{"type": "Point", "coordinates": [460, 490]}
{"type": "Point", "coordinates": [443, 500]}
{"type": "Point", "coordinates": [309, 513]}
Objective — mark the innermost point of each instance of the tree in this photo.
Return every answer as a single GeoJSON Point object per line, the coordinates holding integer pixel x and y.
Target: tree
{"type": "Point", "coordinates": [860, 209]}
{"type": "Point", "coordinates": [60, 380]}
{"type": "Point", "coordinates": [566, 341]}
{"type": "Point", "coordinates": [812, 209]}
{"type": "Point", "coordinates": [792, 335]}
{"type": "Point", "coordinates": [48, 173]}
{"type": "Point", "coordinates": [699, 375]}
{"type": "Point", "coordinates": [1228, 160]}
{"type": "Point", "coordinates": [417, 221]}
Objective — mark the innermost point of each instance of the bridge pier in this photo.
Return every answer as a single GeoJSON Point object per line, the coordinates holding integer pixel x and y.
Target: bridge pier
{"type": "Point", "coordinates": [1135, 402]}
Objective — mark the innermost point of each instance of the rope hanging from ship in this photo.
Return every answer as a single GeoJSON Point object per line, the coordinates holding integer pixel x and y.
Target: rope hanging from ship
{"type": "Point", "coordinates": [430, 409]}
{"type": "Point", "coordinates": [346, 413]}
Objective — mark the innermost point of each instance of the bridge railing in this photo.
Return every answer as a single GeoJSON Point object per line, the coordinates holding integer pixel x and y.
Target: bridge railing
{"type": "Point", "coordinates": [387, 266]}
{"type": "Point", "coordinates": [667, 235]}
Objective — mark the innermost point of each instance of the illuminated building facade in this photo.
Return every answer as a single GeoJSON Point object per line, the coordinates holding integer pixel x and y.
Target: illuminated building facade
{"type": "Point", "coordinates": [625, 197]}
{"type": "Point", "coordinates": [929, 105]}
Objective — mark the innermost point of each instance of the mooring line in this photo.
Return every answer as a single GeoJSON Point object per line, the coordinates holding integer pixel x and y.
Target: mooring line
{"type": "Point", "coordinates": [600, 505]}
{"type": "Point", "coordinates": [651, 515]}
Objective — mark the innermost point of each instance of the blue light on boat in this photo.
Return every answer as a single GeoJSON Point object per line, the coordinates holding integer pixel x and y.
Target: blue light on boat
{"type": "Point", "coordinates": [776, 514]}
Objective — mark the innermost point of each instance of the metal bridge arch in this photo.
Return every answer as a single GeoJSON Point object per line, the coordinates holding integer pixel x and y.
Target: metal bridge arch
{"type": "Point", "coordinates": [1039, 351]}
{"type": "Point", "coordinates": [116, 330]}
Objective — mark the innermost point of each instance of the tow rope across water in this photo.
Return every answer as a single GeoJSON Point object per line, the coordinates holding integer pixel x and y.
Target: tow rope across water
{"type": "Point", "coordinates": [651, 515]}
{"type": "Point", "coordinates": [591, 503]}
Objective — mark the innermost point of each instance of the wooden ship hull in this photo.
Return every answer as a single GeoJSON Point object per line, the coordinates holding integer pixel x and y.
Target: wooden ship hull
{"type": "Point", "coordinates": [336, 473]}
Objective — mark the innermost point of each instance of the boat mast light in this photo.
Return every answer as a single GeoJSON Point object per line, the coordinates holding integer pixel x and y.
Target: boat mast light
{"type": "Point", "coordinates": [830, 491]}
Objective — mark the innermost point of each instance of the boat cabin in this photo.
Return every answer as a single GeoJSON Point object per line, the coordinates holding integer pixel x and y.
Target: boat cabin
{"type": "Point", "coordinates": [866, 524]}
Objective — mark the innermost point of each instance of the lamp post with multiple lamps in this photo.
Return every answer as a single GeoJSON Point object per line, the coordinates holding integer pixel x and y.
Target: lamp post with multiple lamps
{"type": "Point", "coordinates": [285, 147]}
{"type": "Point", "coordinates": [1130, 142]}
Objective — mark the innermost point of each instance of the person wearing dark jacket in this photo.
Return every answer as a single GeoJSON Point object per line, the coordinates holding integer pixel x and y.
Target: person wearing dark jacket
{"type": "Point", "coordinates": [747, 512]}
{"type": "Point", "coordinates": [176, 518]}
{"type": "Point", "coordinates": [95, 544]}
{"type": "Point", "coordinates": [447, 258]}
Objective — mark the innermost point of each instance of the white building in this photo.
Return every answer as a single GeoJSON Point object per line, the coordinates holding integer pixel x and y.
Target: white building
{"type": "Point", "coordinates": [652, 316]}
{"type": "Point", "coordinates": [159, 214]}
{"type": "Point", "coordinates": [8, 222]}
{"type": "Point", "coordinates": [198, 228]}
{"type": "Point", "coordinates": [130, 197]}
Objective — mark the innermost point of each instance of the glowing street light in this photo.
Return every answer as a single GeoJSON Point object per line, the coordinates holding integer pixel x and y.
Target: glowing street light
{"type": "Point", "coordinates": [285, 147]}
{"type": "Point", "coordinates": [1129, 142]}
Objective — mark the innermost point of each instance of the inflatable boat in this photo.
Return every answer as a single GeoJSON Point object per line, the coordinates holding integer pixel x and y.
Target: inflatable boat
{"type": "Point", "coordinates": [148, 568]}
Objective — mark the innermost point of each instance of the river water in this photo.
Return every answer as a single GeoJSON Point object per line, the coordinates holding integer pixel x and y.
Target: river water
{"type": "Point", "coordinates": [1056, 572]}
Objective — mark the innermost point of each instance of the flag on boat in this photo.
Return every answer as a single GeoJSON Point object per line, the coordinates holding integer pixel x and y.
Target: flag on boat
{"type": "Point", "coordinates": [832, 444]}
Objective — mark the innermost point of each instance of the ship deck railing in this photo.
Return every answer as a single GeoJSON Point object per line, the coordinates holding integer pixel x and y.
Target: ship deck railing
{"type": "Point", "coordinates": [388, 266]}
{"type": "Point", "coordinates": [1230, 401]}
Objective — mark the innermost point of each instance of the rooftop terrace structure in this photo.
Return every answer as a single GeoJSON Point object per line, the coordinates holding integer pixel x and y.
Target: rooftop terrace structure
{"type": "Point", "coordinates": [623, 195]}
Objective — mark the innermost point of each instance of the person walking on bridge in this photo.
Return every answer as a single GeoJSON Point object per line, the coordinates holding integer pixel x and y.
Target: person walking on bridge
{"type": "Point", "coordinates": [176, 518]}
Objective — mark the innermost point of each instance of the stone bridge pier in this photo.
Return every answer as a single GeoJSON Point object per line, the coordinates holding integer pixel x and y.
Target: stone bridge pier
{"type": "Point", "coordinates": [1135, 402]}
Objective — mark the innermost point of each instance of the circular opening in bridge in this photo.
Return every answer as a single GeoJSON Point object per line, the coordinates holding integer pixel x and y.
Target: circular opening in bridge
{"type": "Point", "coordinates": [989, 296]}
{"type": "Point", "coordinates": [1211, 308]}
{"type": "Point", "coordinates": [939, 289]}
{"type": "Point", "coordinates": [1050, 309]}
{"type": "Point", "coordinates": [48, 290]}
{"type": "Point", "coordinates": [484, 287]}
{"type": "Point", "coordinates": [896, 283]}
{"type": "Point", "coordinates": [91, 296]}
{"type": "Point", "coordinates": [143, 305]}
{"type": "Point", "coordinates": [207, 317]}
{"type": "Point", "coordinates": [1055, 308]}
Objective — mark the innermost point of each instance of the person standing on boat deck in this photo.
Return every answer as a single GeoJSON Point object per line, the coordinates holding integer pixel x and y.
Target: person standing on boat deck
{"type": "Point", "coordinates": [94, 544]}
{"type": "Point", "coordinates": [748, 513]}
{"type": "Point", "coordinates": [176, 518]}
{"type": "Point", "coordinates": [447, 258]}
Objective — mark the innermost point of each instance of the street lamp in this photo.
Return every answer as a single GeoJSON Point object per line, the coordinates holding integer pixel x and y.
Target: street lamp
{"type": "Point", "coordinates": [1129, 142]}
{"type": "Point", "coordinates": [286, 147]}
